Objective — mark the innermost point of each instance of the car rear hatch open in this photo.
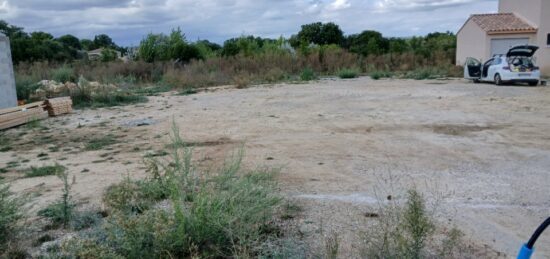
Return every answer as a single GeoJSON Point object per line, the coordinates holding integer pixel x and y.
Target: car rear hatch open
{"type": "Point", "coordinates": [520, 59]}
{"type": "Point", "coordinates": [522, 51]}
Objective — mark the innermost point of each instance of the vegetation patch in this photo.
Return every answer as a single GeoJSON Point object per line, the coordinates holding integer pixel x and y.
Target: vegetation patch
{"type": "Point", "coordinates": [45, 171]}
{"type": "Point", "coordinates": [308, 74]}
{"type": "Point", "coordinates": [11, 212]}
{"type": "Point", "coordinates": [376, 75]}
{"type": "Point", "coordinates": [101, 142]}
{"type": "Point", "coordinates": [347, 73]}
{"type": "Point", "coordinates": [181, 212]}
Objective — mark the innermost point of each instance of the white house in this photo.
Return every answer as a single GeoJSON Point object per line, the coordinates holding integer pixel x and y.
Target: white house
{"type": "Point", "coordinates": [517, 22]}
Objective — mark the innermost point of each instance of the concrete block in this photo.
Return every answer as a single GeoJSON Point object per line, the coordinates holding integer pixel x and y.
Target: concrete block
{"type": "Point", "coordinates": [8, 96]}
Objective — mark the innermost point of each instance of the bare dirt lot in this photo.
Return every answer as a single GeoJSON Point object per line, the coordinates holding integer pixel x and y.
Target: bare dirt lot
{"type": "Point", "coordinates": [481, 152]}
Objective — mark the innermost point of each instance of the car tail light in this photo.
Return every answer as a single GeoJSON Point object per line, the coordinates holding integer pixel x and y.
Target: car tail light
{"type": "Point", "coordinates": [506, 68]}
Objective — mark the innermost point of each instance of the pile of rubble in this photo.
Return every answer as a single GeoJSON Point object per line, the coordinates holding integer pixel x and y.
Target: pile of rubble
{"type": "Point", "coordinates": [51, 89]}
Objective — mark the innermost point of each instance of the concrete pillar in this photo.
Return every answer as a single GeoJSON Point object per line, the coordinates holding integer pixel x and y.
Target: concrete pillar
{"type": "Point", "coordinates": [8, 96]}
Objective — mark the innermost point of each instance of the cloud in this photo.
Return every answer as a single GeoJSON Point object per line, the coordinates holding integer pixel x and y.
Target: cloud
{"type": "Point", "coordinates": [128, 21]}
{"type": "Point", "coordinates": [389, 5]}
{"type": "Point", "coordinates": [339, 5]}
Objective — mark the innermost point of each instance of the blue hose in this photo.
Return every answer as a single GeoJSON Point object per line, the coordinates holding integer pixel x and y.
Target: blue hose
{"type": "Point", "coordinates": [527, 249]}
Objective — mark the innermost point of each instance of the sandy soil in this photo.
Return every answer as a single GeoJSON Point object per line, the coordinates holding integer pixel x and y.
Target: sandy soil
{"type": "Point", "coordinates": [481, 152]}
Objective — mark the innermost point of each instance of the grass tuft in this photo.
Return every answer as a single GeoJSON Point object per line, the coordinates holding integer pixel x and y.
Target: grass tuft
{"type": "Point", "coordinates": [99, 143]}
{"type": "Point", "coordinates": [44, 171]}
{"type": "Point", "coordinates": [347, 73]}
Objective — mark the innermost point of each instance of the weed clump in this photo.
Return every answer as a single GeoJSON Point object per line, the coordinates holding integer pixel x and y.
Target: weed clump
{"type": "Point", "coordinates": [11, 212]}
{"type": "Point", "coordinates": [227, 213]}
{"type": "Point", "coordinates": [45, 171]}
{"type": "Point", "coordinates": [347, 73]}
{"type": "Point", "coordinates": [376, 75]}
{"type": "Point", "coordinates": [61, 212]}
{"type": "Point", "coordinates": [407, 231]}
{"type": "Point", "coordinates": [63, 74]}
{"type": "Point", "coordinates": [101, 142]}
{"type": "Point", "coordinates": [308, 74]}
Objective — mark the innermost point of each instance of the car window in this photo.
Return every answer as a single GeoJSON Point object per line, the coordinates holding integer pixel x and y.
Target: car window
{"type": "Point", "coordinates": [497, 61]}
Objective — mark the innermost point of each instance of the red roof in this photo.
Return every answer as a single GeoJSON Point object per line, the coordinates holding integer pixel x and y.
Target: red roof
{"type": "Point", "coordinates": [502, 23]}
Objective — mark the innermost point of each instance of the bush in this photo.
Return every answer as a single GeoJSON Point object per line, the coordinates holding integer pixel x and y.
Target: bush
{"type": "Point", "coordinates": [11, 212]}
{"type": "Point", "coordinates": [63, 74]}
{"type": "Point", "coordinates": [25, 86]}
{"type": "Point", "coordinates": [214, 215]}
{"type": "Point", "coordinates": [308, 74]}
{"type": "Point", "coordinates": [347, 73]}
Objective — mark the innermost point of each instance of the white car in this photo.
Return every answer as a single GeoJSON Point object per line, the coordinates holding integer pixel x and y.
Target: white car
{"type": "Point", "coordinates": [517, 66]}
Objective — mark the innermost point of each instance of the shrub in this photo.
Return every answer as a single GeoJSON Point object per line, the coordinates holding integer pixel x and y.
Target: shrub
{"type": "Point", "coordinates": [63, 74]}
{"type": "Point", "coordinates": [225, 214]}
{"type": "Point", "coordinates": [11, 212]}
{"type": "Point", "coordinates": [45, 171]}
{"type": "Point", "coordinates": [347, 73]}
{"type": "Point", "coordinates": [85, 219]}
{"type": "Point", "coordinates": [61, 212]}
{"type": "Point", "coordinates": [25, 86]}
{"type": "Point", "coordinates": [241, 81]}
{"type": "Point", "coordinates": [407, 231]}
{"type": "Point", "coordinates": [308, 74]}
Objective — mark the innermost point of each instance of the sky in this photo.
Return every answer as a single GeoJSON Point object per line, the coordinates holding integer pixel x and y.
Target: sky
{"type": "Point", "coordinates": [128, 21]}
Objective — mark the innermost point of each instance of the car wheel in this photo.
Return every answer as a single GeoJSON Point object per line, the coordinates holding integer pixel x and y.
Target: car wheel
{"type": "Point", "coordinates": [498, 80]}
{"type": "Point", "coordinates": [476, 81]}
{"type": "Point", "coordinates": [534, 83]}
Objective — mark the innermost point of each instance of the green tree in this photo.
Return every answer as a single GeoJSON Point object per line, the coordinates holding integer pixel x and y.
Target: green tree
{"type": "Point", "coordinates": [70, 41]}
{"type": "Point", "coordinates": [103, 41]}
{"type": "Point", "coordinates": [319, 33]}
{"type": "Point", "coordinates": [86, 44]}
{"type": "Point", "coordinates": [367, 43]}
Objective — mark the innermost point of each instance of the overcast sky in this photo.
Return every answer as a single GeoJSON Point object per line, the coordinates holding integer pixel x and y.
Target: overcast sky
{"type": "Point", "coordinates": [127, 21]}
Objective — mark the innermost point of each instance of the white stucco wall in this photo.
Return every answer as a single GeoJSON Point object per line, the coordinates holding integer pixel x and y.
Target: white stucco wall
{"type": "Point", "coordinates": [536, 12]}
{"type": "Point", "coordinates": [471, 40]}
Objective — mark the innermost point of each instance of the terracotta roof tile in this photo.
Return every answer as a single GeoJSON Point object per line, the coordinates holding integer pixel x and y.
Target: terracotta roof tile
{"type": "Point", "coordinates": [501, 23]}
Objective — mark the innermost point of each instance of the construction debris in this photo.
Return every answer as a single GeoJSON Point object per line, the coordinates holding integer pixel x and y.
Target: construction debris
{"type": "Point", "coordinates": [16, 116]}
{"type": "Point", "coordinates": [12, 117]}
{"type": "Point", "coordinates": [59, 106]}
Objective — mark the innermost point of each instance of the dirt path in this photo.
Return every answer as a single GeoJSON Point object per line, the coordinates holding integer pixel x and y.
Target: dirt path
{"type": "Point", "coordinates": [482, 151]}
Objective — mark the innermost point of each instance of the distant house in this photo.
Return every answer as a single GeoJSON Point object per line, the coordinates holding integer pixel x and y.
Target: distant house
{"type": "Point", "coordinates": [517, 22]}
{"type": "Point", "coordinates": [96, 54]}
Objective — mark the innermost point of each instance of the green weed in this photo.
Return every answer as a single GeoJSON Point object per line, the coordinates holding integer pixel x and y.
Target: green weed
{"type": "Point", "coordinates": [308, 74]}
{"type": "Point", "coordinates": [44, 171]}
{"type": "Point", "coordinates": [11, 212]}
{"type": "Point", "coordinates": [347, 73]}
{"type": "Point", "coordinates": [99, 143]}
{"type": "Point", "coordinates": [61, 212]}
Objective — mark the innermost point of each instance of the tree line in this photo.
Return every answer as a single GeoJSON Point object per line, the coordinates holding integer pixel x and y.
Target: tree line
{"type": "Point", "coordinates": [38, 46]}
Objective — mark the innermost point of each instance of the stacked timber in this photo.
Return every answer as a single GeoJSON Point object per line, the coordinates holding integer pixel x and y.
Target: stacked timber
{"type": "Point", "coordinates": [16, 116]}
{"type": "Point", "coordinates": [59, 106]}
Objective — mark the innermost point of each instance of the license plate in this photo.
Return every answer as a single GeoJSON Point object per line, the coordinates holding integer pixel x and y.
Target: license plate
{"type": "Point", "coordinates": [524, 74]}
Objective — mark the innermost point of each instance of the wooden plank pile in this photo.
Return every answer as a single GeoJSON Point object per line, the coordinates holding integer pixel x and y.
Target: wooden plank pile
{"type": "Point", "coordinates": [19, 115]}
{"type": "Point", "coordinates": [59, 106]}
{"type": "Point", "coordinates": [16, 116]}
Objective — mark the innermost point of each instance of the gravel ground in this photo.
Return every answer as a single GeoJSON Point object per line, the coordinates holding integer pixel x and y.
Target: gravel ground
{"type": "Point", "coordinates": [481, 153]}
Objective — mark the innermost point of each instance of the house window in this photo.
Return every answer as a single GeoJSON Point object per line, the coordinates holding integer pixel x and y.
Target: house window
{"type": "Point", "coordinates": [548, 39]}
